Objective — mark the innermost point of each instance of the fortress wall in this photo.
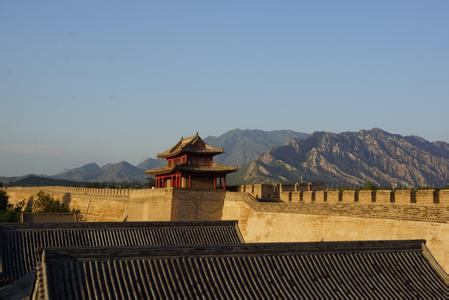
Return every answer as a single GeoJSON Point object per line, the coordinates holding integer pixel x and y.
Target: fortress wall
{"type": "Point", "coordinates": [365, 197]}
{"type": "Point", "coordinates": [94, 204]}
{"type": "Point", "coordinates": [320, 196]}
{"type": "Point", "coordinates": [444, 198]}
{"type": "Point", "coordinates": [266, 222]}
{"type": "Point", "coordinates": [270, 222]}
{"type": "Point", "coordinates": [425, 197]}
{"type": "Point", "coordinates": [296, 196]}
{"type": "Point", "coordinates": [285, 196]}
{"type": "Point", "coordinates": [309, 196]}
{"type": "Point", "coordinates": [112, 204]}
{"type": "Point", "coordinates": [178, 204]}
{"type": "Point", "coordinates": [403, 196]}
{"type": "Point", "coordinates": [334, 196]}
{"type": "Point", "coordinates": [198, 205]}
{"type": "Point", "coordinates": [350, 196]}
{"type": "Point", "coordinates": [150, 204]}
{"type": "Point", "coordinates": [100, 207]}
{"type": "Point", "coordinates": [17, 194]}
{"type": "Point", "coordinates": [383, 196]}
{"type": "Point", "coordinates": [287, 227]}
{"type": "Point", "coordinates": [428, 197]}
{"type": "Point", "coordinates": [257, 190]}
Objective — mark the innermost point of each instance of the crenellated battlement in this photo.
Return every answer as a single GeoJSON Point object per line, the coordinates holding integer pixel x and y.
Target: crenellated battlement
{"type": "Point", "coordinates": [91, 191]}
{"type": "Point", "coordinates": [422, 197]}
{"type": "Point", "coordinates": [290, 214]}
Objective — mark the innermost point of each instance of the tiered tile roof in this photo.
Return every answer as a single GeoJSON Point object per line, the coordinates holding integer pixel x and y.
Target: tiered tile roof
{"type": "Point", "coordinates": [18, 242]}
{"type": "Point", "coordinates": [185, 145]}
{"type": "Point", "coordinates": [215, 168]}
{"type": "Point", "coordinates": [322, 270]}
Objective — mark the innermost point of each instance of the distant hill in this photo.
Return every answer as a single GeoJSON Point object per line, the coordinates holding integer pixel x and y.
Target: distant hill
{"type": "Point", "coordinates": [151, 163]}
{"type": "Point", "coordinates": [118, 172]}
{"type": "Point", "coordinates": [348, 158]}
{"type": "Point", "coordinates": [9, 180]}
{"type": "Point", "coordinates": [121, 172]}
{"type": "Point", "coordinates": [34, 180]}
{"type": "Point", "coordinates": [88, 172]}
{"type": "Point", "coordinates": [353, 158]}
{"type": "Point", "coordinates": [244, 146]}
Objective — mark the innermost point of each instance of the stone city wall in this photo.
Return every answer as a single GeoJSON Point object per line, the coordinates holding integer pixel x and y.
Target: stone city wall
{"type": "Point", "coordinates": [165, 204]}
{"type": "Point", "coordinates": [309, 216]}
{"type": "Point", "coordinates": [94, 204]}
{"type": "Point", "coordinates": [273, 222]}
{"type": "Point", "coordinates": [420, 197]}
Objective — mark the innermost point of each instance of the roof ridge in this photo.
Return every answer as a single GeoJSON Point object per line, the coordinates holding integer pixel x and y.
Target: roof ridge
{"type": "Point", "coordinates": [248, 248]}
{"type": "Point", "coordinates": [18, 226]}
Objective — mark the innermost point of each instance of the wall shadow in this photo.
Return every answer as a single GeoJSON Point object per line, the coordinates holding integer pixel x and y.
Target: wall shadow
{"type": "Point", "coordinates": [66, 199]}
{"type": "Point", "coordinates": [197, 205]}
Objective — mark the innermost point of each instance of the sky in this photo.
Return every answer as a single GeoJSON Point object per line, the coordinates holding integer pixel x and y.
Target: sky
{"type": "Point", "coordinates": [106, 81]}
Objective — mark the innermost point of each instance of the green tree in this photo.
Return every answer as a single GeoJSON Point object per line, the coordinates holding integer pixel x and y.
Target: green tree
{"type": "Point", "coordinates": [45, 203]}
{"type": "Point", "coordinates": [369, 186]}
{"type": "Point", "coordinates": [3, 200]}
{"type": "Point", "coordinates": [9, 212]}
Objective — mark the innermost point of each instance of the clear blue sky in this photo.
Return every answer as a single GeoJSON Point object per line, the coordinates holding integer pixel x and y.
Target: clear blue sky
{"type": "Point", "coordinates": [105, 81]}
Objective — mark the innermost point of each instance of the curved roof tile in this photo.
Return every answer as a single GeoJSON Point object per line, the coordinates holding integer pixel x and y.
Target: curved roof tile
{"type": "Point", "coordinates": [337, 270]}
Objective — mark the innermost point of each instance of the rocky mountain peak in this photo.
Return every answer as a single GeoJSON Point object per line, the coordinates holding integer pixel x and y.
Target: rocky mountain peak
{"type": "Point", "coordinates": [295, 144]}
{"type": "Point", "coordinates": [352, 158]}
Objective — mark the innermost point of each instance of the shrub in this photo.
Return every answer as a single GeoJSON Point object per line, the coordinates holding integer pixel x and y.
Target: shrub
{"type": "Point", "coordinates": [369, 186]}
{"type": "Point", "coordinates": [9, 212]}
{"type": "Point", "coordinates": [45, 203]}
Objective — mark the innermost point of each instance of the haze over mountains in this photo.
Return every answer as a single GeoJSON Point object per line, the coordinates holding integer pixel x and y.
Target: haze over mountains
{"type": "Point", "coordinates": [118, 172]}
{"type": "Point", "coordinates": [348, 158]}
{"type": "Point", "coordinates": [244, 146]}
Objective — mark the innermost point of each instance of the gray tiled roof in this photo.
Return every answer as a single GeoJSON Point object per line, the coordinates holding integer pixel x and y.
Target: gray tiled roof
{"type": "Point", "coordinates": [362, 270]}
{"type": "Point", "coordinates": [19, 241]}
{"type": "Point", "coordinates": [48, 218]}
{"type": "Point", "coordinates": [188, 145]}
{"type": "Point", "coordinates": [214, 168]}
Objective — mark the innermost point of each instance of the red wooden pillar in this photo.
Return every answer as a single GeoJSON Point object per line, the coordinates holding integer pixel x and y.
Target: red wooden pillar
{"type": "Point", "coordinates": [224, 183]}
{"type": "Point", "coordinates": [190, 181]}
{"type": "Point", "coordinates": [215, 183]}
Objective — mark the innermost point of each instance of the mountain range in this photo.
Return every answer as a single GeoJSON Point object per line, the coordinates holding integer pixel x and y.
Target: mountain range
{"type": "Point", "coordinates": [352, 159]}
{"type": "Point", "coordinates": [118, 172]}
{"type": "Point", "coordinates": [244, 146]}
{"type": "Point", "coordinates": [347, 158]}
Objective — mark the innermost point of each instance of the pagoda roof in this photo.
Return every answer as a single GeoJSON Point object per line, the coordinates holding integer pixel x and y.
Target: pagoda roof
{"type": "Point", "coordinates": [191, 144]}
{"type": "Point", "coordinates": [214, 168]}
